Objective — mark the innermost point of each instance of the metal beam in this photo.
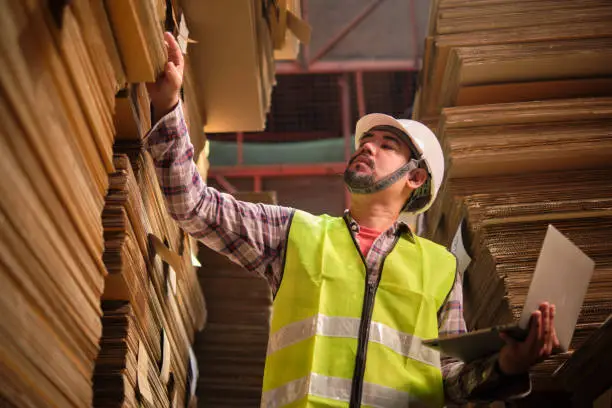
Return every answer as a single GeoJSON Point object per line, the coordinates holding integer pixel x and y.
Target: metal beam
{"type": "Point", "coordinates": [226, 185]}
{"type": "Point", "coordinates": [415, 29]}
{"type": "Point", "coordinates": [335, 67]}
{"type": "Point", "coordinates": [345, 112]}
{"type": "Point", "coordinates": [361, 106]}
{"type": "Point", "coordinates": [279, 170]}
{"type": "Point", "coordinates": [239, 146]}
{"type": "Point", "coordinates": [257, 184]}
{"type": "Point", "coordinates": [305, 48]}
{"type": "Point", "coordinates": [345, 30]}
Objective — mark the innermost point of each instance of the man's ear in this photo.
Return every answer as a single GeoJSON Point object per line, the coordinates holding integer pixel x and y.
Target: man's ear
{"type": "Point", "coordinates": [416, 178]}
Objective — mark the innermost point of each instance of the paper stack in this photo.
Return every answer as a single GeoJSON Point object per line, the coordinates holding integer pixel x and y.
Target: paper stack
{"type": "Point", "coordinates": [500, 51]}
{"type": "Point", "coordinates": [518, 140]}
{"type": "Point", "coordinates": [74, 215]}
{"type": "Point", "coordinates": [57, 138]}
{"type": "Point", "coordinates": [588, 368]}
{"type": "Point", "coordinates": [150, 266]}
{"type": "Point", "coordinates": [512, 170]}
{"type": "Point", "coordinates": [519, 95]}
{"type": "Point", "coordinates": [137, 28]}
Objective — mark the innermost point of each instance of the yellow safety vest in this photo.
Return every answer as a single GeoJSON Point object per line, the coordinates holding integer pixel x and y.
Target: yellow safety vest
{"type": "Point", "coordinates": [339, 341]}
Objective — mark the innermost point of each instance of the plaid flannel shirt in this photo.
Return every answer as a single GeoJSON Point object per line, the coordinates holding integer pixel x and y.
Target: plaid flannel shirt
{"type": "Point", "coordinates": [255, 236]}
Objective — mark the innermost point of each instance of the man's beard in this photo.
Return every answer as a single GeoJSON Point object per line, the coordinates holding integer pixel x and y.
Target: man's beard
{"type": "Point", "coordinates": [359, 181]}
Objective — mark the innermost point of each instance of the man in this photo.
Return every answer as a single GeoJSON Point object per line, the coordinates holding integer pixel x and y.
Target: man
{"type": "Point", "coordinates": [355, 295]}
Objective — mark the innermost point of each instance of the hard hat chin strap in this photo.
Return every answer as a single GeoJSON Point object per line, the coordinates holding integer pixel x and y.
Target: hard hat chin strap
{"type": "Point", "coordinates": [388, 180]}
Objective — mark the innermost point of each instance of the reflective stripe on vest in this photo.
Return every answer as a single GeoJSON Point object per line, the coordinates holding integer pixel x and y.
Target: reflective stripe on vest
{"type": "Point", "coordinates": [338, 389]}
{"type": "Point", "coordinates": [402, 343]}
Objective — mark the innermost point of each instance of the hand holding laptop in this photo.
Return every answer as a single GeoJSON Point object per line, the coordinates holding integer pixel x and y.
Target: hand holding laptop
{"type": "Point", "coordinates": [516, 357]}
{"type": "Point", "coordinates": [561, 278]}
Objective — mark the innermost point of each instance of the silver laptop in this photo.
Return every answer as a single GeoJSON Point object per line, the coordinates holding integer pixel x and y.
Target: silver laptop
{"type": "Point", "coordinates": [561, 277]}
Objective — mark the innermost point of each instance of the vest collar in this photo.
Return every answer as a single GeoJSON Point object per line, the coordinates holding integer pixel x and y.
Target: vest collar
{"type": "Point", "coordinates": [399, 227]}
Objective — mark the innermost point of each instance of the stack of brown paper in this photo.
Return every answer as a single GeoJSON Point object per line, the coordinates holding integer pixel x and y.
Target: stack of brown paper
{"type": "Point", "coordinates": [477, 53]}
{"type": "Point", "coordinates": [138, 29]}
{"type": "Point", "coordinates": [512, 169]}
{"type": "Point", "coordinates": [57, 151]}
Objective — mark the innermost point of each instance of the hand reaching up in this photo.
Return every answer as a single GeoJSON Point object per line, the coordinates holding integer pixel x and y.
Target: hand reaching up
{"type": "Point", "coordinates": [165, 92]}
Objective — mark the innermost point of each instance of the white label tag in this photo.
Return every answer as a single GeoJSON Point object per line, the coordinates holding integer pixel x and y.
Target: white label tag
{"type": "Point", "coordinates": [458, 249]}
{"type": "Point", "coordinates": [165, 367]}
{"type": "Point", "coordinates": [143, 371]}
{"type": "Point", "coordinates": [194, 261]}
{"type": "Point", "coordinates": [183, 35]}
{"type": "Point", "coordinates": [171, 282]}
{"type": "Point", "coordinates": [193, 365]}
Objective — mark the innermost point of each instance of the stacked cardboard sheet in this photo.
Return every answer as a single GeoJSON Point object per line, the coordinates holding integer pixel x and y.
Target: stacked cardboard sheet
{"type": "Point", "coordinates": [588, 369]}
{"type": "Point", "coordinates": [157, 283]}
{"type": "Point", "coordinates": [57, 150]}
{"type": "Point", "coordinates": [138, 28]}
{"type": "Point", "coordinates": [495, 87]}
{"type": "Point", "coordinates": [497, 282]}
{"type": "Point", "coordinates": [75, 215]}
{"type": "Point", "coordinates": [518, 139]}
{"type": "Point", "coordinates": [478, 53]}
{"type": "Point", "coordinates": [512, 169]}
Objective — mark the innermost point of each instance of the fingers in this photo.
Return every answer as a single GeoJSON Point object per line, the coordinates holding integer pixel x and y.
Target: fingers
{"type": "Point", "coordinates": [174, 52]}
{"type": "Point", "coordinates": [545, 332]}
{"type": "Point", "coordinates": [551, 338]}
{"type": "Point", "coordinates": [554, 339]}
{"type": "Point", "coordinates": [173, 75]}
{"type": "Point", "coordinates": [534, 329]}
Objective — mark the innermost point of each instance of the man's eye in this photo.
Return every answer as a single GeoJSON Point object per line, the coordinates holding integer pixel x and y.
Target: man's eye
{"type": "Point", "coordinates": [387, 147]}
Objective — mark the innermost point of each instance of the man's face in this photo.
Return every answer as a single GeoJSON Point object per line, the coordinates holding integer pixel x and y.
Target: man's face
{"type": "Point", "coordinates": [380, 153]}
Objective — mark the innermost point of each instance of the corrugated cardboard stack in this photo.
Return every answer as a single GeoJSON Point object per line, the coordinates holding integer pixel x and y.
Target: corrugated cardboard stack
{"type": "Point", "coordinates": [594, 358]}
{"type": "Point", "coordinates": [501, 51]}
{"type": "Point", "coordinates": [150, 262]}
{"type": "Point", "coordinates": [57, 150]}
{"type": "Point", "coordinates": [538, 158]}
{"type": "Point", "coordinates": [81, 270]}
{"type": "Point", "coordinates": [235, 81]}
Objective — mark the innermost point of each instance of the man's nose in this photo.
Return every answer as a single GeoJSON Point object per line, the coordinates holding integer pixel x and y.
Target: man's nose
{"type": "Point", "coordinates": [368, 147]}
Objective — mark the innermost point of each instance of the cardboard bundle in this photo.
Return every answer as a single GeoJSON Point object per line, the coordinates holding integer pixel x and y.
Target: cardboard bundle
{"type": "Point", "coordinates": [497, 282]}
{"type": "Point", "coordinates": [125, 373]}
{"type": "Point", "coordinates": [522, 137]}
{"type": "Point", "coordinates": [529, 196]}
{"type": "Point", "coordinates": [57, 149]}
{"type": "Point", "coordinates": [512, 169]}
{"type": "Point", "coordinates": [559, 66]}
{"type": "Point", "coordinates": [116, 373]}
{"type": "Point", "coordinates": [126, 246]}
{"type": "Point", "coordinates": [138, 28]}
{"type": "Point", "coordinates": [168, 301]}
{"type": "Point", "coordinates": [518, 139]}
{"type": "Point", "coordinates": [73, 215]}
{"type": "Point", "coordinates": [476, 52]}
{"type": "Point", "coordinates": [174, 294]}
{"type": "Point", "coordinates": [234, 82]}
{"type": "Point", "coordinates": [587, 370]}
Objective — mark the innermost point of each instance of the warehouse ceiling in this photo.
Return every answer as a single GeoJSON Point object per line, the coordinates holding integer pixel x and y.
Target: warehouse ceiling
{"type": "Point", "coordinates": [391, 29]}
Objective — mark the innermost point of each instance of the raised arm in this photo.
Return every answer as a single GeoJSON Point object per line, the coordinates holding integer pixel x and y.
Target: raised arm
{"type": "Point", "coordinates": [252, 235]}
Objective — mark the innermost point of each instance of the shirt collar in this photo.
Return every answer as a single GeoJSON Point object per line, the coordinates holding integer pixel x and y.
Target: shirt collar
{"type": "Point", "coordinates": [399, 227]}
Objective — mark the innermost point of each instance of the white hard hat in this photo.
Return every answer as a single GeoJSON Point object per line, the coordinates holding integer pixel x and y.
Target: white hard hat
{"type": "Point", "coordinates": [422, 140]}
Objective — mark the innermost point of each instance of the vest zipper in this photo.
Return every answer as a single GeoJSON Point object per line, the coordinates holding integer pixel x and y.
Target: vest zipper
{"type": "Point", "coordinates": [364, 326]}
